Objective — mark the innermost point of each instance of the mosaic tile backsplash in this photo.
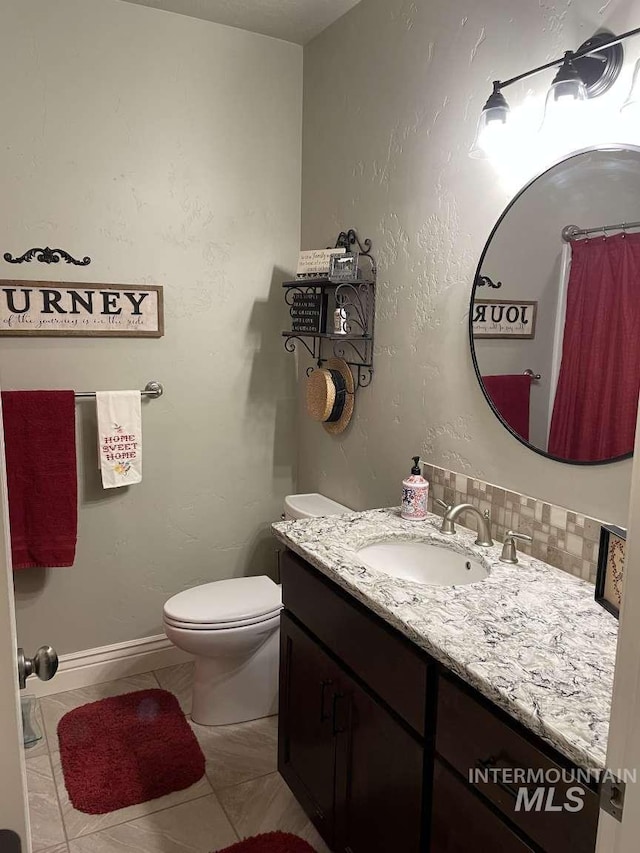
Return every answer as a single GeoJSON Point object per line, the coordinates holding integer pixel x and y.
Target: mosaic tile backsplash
{"type": "Point", "coordinates": [565, 539]}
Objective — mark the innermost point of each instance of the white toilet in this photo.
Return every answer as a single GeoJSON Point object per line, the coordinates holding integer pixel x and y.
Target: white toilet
{"type": "Point", "coordinates": [232, 628]}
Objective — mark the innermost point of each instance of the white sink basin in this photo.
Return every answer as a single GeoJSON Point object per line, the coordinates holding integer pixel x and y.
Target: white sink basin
{"type": "Point", "coordinates": [423, 562]}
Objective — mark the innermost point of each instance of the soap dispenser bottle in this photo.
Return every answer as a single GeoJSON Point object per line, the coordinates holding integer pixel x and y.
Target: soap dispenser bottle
{"type": "Point", "coordinates": [415, 494]}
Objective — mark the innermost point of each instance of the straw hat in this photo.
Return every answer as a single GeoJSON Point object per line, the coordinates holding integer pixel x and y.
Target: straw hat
{"type": "Point", "coordinates": [330, 395]}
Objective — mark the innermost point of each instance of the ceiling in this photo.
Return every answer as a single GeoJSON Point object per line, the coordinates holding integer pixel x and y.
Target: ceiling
{"type": "Point", "coordinates": [292, 20]}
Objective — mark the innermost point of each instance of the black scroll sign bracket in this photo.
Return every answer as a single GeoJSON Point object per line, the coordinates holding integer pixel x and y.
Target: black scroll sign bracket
{"type": "Point", "coordinates": [46, 256]}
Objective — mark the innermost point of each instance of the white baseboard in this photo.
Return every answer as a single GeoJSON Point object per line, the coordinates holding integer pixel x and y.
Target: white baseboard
{"type": "Point", "coordinates": [95, 666]}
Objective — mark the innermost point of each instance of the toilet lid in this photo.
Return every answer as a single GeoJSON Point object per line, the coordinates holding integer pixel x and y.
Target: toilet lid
{"type": "Point", "coordinates": [235, 600]}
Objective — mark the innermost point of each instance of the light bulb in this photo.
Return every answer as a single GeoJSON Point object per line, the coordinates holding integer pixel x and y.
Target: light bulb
{"type": "Point", "coordinates": [491, 134]}
{"type": "Point", "coordinates": [566, 98]}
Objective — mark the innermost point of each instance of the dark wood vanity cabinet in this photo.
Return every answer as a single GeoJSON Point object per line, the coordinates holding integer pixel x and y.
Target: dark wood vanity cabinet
{"type": "Point", "coordinates": [376, 740]}
{"type": "Point", "coordinates": [354, 768]}
{"type": "Point", "coordinates": [307, 736]}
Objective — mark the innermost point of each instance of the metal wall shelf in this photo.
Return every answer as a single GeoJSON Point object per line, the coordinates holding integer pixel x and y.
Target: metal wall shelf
{"type": "Point", "coordinates": [358, 299]}
{"type": "Point", "coordinates": [323, 282]}
{"type": "Point", "coordinates": [327, 336]}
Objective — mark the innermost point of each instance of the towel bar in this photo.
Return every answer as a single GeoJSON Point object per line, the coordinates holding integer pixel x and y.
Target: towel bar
{"type": "Point", "coordinates": [151, 389]}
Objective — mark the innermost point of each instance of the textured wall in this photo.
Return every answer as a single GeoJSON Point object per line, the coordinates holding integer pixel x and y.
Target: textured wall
{"type": "Point", "coordinates": [168, 150]}
{"type": "Point", "coordinates": [392, 94]}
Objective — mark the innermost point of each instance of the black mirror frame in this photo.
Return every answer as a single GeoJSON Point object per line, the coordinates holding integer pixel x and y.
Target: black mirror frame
{"type": "Point", "coordinates": [613, 147]}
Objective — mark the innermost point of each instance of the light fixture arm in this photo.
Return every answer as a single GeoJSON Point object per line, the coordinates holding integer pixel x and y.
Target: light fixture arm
{"type": "Point", "coordinates": [502, 84]}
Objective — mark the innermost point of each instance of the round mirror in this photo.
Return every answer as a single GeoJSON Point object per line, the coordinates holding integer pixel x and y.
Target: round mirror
{"type": "Point", "coordinates": [555, 310]}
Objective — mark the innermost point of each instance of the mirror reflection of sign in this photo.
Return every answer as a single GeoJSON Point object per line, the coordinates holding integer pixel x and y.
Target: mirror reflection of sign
{"type": "Point", "coordinates": [493, 318]}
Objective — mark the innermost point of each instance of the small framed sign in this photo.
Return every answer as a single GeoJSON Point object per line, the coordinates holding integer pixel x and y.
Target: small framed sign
{"type": "Point", "coordinates": [317, 261]}
{"type": "Point", "coordinates": [309, 313]}
{"type": "Point", "coordinates": [495, 318]}
{"type": "Point", "coordinates": [611, 568]}
{"type": "Point", "coordinates": [80, 309]}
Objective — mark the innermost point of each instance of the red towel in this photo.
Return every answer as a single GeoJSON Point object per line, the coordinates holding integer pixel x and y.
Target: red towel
{"type": "Point", "coordinates": [510, 395]}
{"type": "Point", "coordinates": [40, 445]}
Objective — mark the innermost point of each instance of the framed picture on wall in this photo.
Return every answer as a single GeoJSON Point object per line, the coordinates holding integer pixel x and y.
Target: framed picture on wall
{"type": "Point", "coordinates": [344, 268]}
{"type": "Point", "coordinates": [68, 309]}
{"type": "Point", "coordinates": [611, 568]}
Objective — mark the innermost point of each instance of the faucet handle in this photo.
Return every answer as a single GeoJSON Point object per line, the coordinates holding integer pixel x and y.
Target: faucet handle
{"type": "Point", "coordinates": [509, 550]}
{"type": "Point", "coordinates": [448, 527]}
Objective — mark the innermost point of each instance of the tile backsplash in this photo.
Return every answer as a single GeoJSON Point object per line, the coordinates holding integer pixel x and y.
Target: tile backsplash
{"type": "Point", "coordinates": [562, 538]}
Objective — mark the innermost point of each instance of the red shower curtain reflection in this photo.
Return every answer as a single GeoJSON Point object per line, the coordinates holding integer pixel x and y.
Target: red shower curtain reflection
{"type": "Point", "coordinates": [594, 414]}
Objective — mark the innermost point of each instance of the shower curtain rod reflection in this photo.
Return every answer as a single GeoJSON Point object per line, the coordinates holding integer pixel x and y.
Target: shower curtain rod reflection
{"type": "Point", "coordinates": [571, 232]}
{"type": "Point", "coordinates": [151, 389]}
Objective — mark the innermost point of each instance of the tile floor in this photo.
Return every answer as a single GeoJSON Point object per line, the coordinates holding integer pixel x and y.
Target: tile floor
{"type": "Point", "coordinates": [241, 794]}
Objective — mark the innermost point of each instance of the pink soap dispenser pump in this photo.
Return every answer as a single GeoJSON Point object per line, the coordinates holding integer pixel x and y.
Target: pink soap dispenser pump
{"type": "Point", "coordinates": [415, 494]}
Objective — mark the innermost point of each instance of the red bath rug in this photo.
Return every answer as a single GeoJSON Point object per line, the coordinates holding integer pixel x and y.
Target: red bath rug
{"type": "Point", "coordinates": [126, 750]}
{"type": "Point", "coordinates": [271, 842]}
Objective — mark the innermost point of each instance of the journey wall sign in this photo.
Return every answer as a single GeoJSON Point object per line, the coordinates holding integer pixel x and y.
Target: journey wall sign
{"type": "Point", "coordinates": [78, 308]}
{"type": "Point", "coordinates": [493, 318]}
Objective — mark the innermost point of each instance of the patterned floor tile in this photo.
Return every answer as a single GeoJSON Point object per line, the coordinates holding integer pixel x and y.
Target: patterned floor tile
{"type": "Point", "coordinates": [78, 823]}
{"type": "Point", "coordinates": [44, 811]}
{"type": "Point", "coordinates": [265, 805]}
{"type": "Point", "coordinates": [199, 826]}
{"type": "Point", "coordinates": [240, 752]}
{"type": "Point", "coordinates": [178, 680]}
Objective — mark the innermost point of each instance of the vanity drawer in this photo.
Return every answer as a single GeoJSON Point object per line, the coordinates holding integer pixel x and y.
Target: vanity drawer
{"type": "Point", "coordinates": [469, 736]}
{"type": "Point", "coordinates": [387, 663]}
{"type": "Point", "coordinates": [461, 822]}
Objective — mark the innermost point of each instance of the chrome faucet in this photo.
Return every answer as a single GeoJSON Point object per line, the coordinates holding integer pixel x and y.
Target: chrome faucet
{"type": "Point", "coordinates": [484, 522]}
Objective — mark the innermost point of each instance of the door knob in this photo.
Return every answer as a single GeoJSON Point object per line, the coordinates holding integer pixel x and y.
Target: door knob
{"type": "Point", "coordinates": [44, 664]}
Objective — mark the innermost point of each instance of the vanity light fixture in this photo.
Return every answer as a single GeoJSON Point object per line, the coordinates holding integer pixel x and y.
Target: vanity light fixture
{"type": "Point", "coordinates": [567, 83]}
{"type": "Point", "coordinates": [585, 73]}
{"type": "Point", "coordinates": [491, 125]}
{"type": "Point", "coordinates": [566, 97]}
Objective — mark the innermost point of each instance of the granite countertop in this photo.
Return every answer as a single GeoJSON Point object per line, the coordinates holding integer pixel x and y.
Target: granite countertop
{"type": "Point", "coordinates": [530, 637]}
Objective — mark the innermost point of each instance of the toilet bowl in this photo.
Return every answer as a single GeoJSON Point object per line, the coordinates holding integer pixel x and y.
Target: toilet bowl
{"type": "Point", "coordinates": [232, 628]}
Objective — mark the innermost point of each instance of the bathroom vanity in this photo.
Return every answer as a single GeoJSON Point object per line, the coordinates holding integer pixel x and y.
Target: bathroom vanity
{"type": "Point", "coordinates": [392, 693]}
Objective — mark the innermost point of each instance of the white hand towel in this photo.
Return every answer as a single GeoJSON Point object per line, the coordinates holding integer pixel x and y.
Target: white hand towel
{"type": "Point", "coordinates": [119, 437]}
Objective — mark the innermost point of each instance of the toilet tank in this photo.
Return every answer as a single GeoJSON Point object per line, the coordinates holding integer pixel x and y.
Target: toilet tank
{"type": "Point", "coordinates": [313, 505]}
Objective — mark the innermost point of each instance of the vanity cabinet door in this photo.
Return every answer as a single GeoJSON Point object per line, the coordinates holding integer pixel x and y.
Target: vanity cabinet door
{"type": "Point", "coordinates": [306, 740]}
{"type": "Point", "coordinates": [461, 822]}
{"type": "Point", "coordinates": [391, 666]}
{"type": "Point", "coordinates": [379, 773]}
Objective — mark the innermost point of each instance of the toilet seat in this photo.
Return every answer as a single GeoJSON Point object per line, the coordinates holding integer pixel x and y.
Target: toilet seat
{"type": "Point", "coordinates": [221, 626]}
{"type": "Point", "coordinates": [232, 603]}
